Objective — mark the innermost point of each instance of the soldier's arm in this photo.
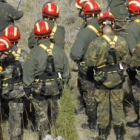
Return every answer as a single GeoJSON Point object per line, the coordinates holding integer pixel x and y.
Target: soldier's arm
{"type": "Point", "coordinates": [81, 43]}
{"type": "Point", "coordinates": [92, 53]}
{"type": "Point", "coordinates": [29, 69]}
{"type": "Point", "coordinates": [63, 36]}
{"type": "Point", "coordinates": [131, 40]}
{"type": "Point", "coordinates": [66, 70]}
{"type": "Point", "coordinates": [13, 13]}
{"type": "Point", "coordinates": [125, 55]}
{"type": "Point", "coordinates": [32, 41]}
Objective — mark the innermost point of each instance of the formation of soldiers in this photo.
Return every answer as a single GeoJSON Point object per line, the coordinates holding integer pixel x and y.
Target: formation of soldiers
{"type": "Point", "coordinates": [106, 52]}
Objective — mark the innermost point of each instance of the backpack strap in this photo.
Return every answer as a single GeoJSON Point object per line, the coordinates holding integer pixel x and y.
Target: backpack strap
{"type": "Point", "coordinates": [17, 54]}
{"type": "Point", "coordinates": [111, 43]}
{"type": "Point", "coordinates": [136, 21]}
{"type": "Point", "coordinates": [53, 31]}
{"type": "Point", "coordinates": [112, 50]}
{"type": "Point", "coordinates": [94, 30]}
{"type": "Point", "coordinates": [48, 50]}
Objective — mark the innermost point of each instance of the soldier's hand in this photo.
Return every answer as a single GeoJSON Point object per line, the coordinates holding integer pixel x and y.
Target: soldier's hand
{"type": "Point", "coordinates": [30, 97]}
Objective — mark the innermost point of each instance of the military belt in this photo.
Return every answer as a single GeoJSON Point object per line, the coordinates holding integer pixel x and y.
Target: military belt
{"type": "Point", "coordinates": [48, 78]}
{"type": "Point", "coordinates": [109, 69]}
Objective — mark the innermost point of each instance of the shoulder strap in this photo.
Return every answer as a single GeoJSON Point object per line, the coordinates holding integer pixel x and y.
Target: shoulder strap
{"type": "Point", "coordinates": [136, 21]}
{"type": "Point", "coordinates": [48, 50]}
{"type": "Point", "coordinates": [53, 31]}
{"type": "Point", "coordinates": [94, 30]}
{"type": "Point", "coordinates": [17, 54]}
{"type": "Point", "coordinates": [112, 43]}
{"type": "Point", "coordinates": [112, 51]}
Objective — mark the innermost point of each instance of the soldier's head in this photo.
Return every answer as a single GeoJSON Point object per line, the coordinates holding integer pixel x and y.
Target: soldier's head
{"type": "Point", "coordinates": [3, 1]}
{"type": "Point", "coordinates": [134, 7]}
{"type": "Point", "coordinates": [5, 47]}
{"type": "Point", "coordinates": [42, 29]}
{"type": "Point", "coordinates": [50, 11]}
{"type": "Point", "coordinates": [12, 33]}
{"type": "Point", "coordinates": [106, 21]}
{"type": "Point", "coordinates": [91, 9]}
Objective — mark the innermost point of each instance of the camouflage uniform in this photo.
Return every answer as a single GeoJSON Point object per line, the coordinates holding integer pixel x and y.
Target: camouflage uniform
{"type": "Point", "coordinates": [109, 93]}
{"type": "Point", "coordinates": [7, 15]}
{"type": "Point", "coordinates": [58, 35]}
{"type": "Point", "coordinates": [12, 90]}
{"type": "Point", "coordinates": [86, 87]}
{"type": "Point", "coordinates": [45, 94]}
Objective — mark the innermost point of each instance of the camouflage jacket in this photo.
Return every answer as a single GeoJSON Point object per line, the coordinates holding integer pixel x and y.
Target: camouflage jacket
{"type": "Point", "coordinates": [118, 8]}
{"type": "Point", "coordinates": [36, 63]}
{"type": "Point", "coordinates": [7, 15]}
{"type": "Point", "coordinates": [11, 78]}
{"type": "Point", "coordinates": [58, 33]}
{"type": "Point", "coordinates": [97, 52]}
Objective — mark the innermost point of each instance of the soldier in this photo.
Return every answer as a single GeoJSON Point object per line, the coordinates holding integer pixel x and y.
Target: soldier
{"type": "Point", "coordinates": [5, 45]}
{"type": "Point", "coordinates": [132, 37]}
{"type": "Point", "coordinates": [12, 90]}
{"type": "Point", "coordinates": [86, 34]}
{"type": "Point", "coordinates": [50, 12]}
{"type": "Point", "coordinates": [13, 34]}
{"type": "Point", "coordinates": [8, 14]}
{"type": "Point", "coordinates": [107, 56]}
{"type": "Point", "coordinates": [44, 72]}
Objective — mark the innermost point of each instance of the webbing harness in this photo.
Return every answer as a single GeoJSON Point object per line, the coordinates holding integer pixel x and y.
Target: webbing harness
{"type": "Point", "coordinates": [17, 54]}
{"type": "Point", "coordinates": [112, 43]}
{"type": "Point", "coordinates": [16, 79]}
{"type": "Point", "coordinates": [94, 30]}
{"type": "Point", "coordinates": [53, 31]}
{"type": "Point", "coordinates": [136, 21]}
{"type": "Point", "coordinates": [49, 73]}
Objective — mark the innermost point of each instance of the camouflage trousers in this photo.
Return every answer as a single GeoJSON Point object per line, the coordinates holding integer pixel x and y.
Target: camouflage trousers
{"type": "Point", "coordinates": [46, 109]}
{"type": "Point", "coordinates": [136, 93]}
{"type": "Point", "coordinates": [15, 117]}
{"type": "Point", "coordinates": [88, 89]}
{"type": "Point", "coordinates": [15, 108]}
{"type": "Point", "coordinates": [110, 105]}
{"type": "Point", "coordinates": [0, 122]}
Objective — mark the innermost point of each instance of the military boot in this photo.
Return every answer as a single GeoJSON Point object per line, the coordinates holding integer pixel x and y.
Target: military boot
{"type": "Point", "coordinates": [90, 125]}
{"type": "Point", "coordinates": [136, 122]}
{"type": "Point", "coordinates": [119, 132]}
{"type": "Point", "coordinates": [80, 110]}
{"type": "Point", "coordinates": [102, 134]}
{"type": "Point", "coordinates": [16, 138]}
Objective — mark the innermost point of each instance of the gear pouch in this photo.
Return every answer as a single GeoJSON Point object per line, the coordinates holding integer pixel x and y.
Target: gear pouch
{"type": "Point", "coordinates": [112, 80]}
{"type": "Point", "coordinates": [99, 76]}
{"type": "Point", "coordinates": [46, 88]}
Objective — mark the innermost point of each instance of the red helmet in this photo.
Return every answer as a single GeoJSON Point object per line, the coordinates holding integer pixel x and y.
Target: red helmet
{"type": "Point", "coordinates": [42, 29]}
{"type": "Point", "coordinates": [103, 17]}
{"type": "Point", "coordinates": [134, 6]}
{"type": "Point", "coordinates": [50, 10]}
{"type": "Point", "coordinates": [91, 7]}
{"type": "Point", "coordinates": [12, 33]}
{"type": "Point", "coordinates": [79, 3]}
{"type": "Point", "coordinates": [5, 44]}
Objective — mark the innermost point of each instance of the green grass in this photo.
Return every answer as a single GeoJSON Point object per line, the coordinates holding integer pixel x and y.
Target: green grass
{"type": "Point", "coordinates": [66, 120]}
